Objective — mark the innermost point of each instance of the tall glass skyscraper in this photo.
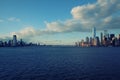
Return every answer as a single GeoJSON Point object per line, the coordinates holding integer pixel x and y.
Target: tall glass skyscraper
{"type": "Point", "coordinates": [14, 40]}
{"type": "Point", "coordinates": [101, 35]}
{"type": "Point", "coordinates": [94, 32]}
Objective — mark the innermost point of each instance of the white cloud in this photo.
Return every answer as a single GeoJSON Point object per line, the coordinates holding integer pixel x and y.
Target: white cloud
{"type": "Point", "coordinates": [10, 19]}
{"type": "Point", "coordinates": [5, 37]}
{"type": "Point", "coordinates": [13, 19]}
{"type": "Point", "coordinates": [95, 14]}
{"type": "Point", "coordinates": [26, 32]}
{"type": "Point", "coordinates": [107, 19]}
{"type": "Point", "coordinates": [102, 14]}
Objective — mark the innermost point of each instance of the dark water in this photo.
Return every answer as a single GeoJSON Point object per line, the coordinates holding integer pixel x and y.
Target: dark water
{"type": "Point", "coordinates": [59, 63]}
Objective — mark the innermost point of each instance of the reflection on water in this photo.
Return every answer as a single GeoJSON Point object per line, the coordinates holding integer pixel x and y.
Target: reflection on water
{"type": "Point", "coordinates": [59, 63]}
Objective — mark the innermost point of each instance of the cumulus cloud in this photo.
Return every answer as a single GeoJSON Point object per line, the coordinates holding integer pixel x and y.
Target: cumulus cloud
{"type": "Point", "coordinates": [26, 32]}
{"type": "Point", "coordinates": [5, 37]}
{"type": "Point", "coordinates": [98, 13]}
{"type": "Point", "coordinates": [30, 32]}
{"type": "Point", "coordinates": [102, 15]}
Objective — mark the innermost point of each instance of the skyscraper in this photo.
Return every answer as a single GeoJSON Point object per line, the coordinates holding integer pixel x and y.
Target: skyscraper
{"type": "Point", "coordinates": [94, 32]}
{"type": "Point", "coordinates": [112, 36]}
{"type": "Point", "coordinates": [91, 41]}
{"type": "Point", "coordinates": [87, 40]}
{"type": "Point", "coordinates": [119, 39]}
{"type": "Point", "coordinates": [106, 34]}
{"type": "Point", "coordinates": [14, 40]}
{"type": "Point", "coordinates": [101, 35]}
{"type": "Point", "coordinates": [97, 41]}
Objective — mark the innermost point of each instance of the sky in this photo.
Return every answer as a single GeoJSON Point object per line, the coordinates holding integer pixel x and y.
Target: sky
{"type": "Point", "coordinates": [57, 22]}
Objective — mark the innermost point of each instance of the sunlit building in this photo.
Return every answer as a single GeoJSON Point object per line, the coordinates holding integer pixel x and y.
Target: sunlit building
{"type": "Point", "coordinates": [97, 41]}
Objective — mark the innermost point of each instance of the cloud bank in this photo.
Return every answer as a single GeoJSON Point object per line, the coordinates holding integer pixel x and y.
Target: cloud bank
{"type": "Point", "coordinates": [104, 14]}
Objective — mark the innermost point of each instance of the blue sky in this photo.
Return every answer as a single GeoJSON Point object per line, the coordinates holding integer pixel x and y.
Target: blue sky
{"type": "Point", "coordinates": [57, 21]}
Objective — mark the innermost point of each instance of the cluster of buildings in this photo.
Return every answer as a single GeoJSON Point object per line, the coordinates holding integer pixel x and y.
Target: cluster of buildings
{"type": "Point", "coordinates": [105, 39]}
{"type": "Point", "coordinates": [15, 43]}
{"type": "Point", "coordinates": [12, 43]}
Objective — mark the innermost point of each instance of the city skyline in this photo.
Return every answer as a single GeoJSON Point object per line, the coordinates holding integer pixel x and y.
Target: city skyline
{"type": "Point", "coordinates": [103, 40]}
{"type": "Point", "coordinates": [58, 22]}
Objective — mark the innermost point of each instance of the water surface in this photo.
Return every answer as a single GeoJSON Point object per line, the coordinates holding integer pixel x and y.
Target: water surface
{"type": "Point", "coordinates": [60, 63]}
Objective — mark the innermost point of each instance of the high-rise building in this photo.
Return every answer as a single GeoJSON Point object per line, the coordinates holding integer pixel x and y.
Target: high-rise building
{"type": "Point", "coordinates": [1, 44]}
{"type": "Point", "coordinates": [10, 43]}
{"type": "Point", "coordinates": [112, 36]}
{"type": "Point", "coordinates": [105, 33]}
{"type": "Point", "coordinates": [119, 40]}
{"type": "Point", "coordinates": [101, 35]}
{"type": "Point", "coordinates": [97, 41]}
{"type": "Point", "coordinates": [94, 42]}
{"type": "Point", "coordinates": [87, 40]}
{"type": "Point", "coordinates": [14, 40]}
{"type": "Point", "coordinates": [91, 41]}
{"type": "Point", "coordinates": [82, 43]}
{"type": "Point", "coordinates": [112, 39]}
{"type": "Point", "coordinates": [119, 37]}
{"type": "Point", "coordinates": [94, 32]}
